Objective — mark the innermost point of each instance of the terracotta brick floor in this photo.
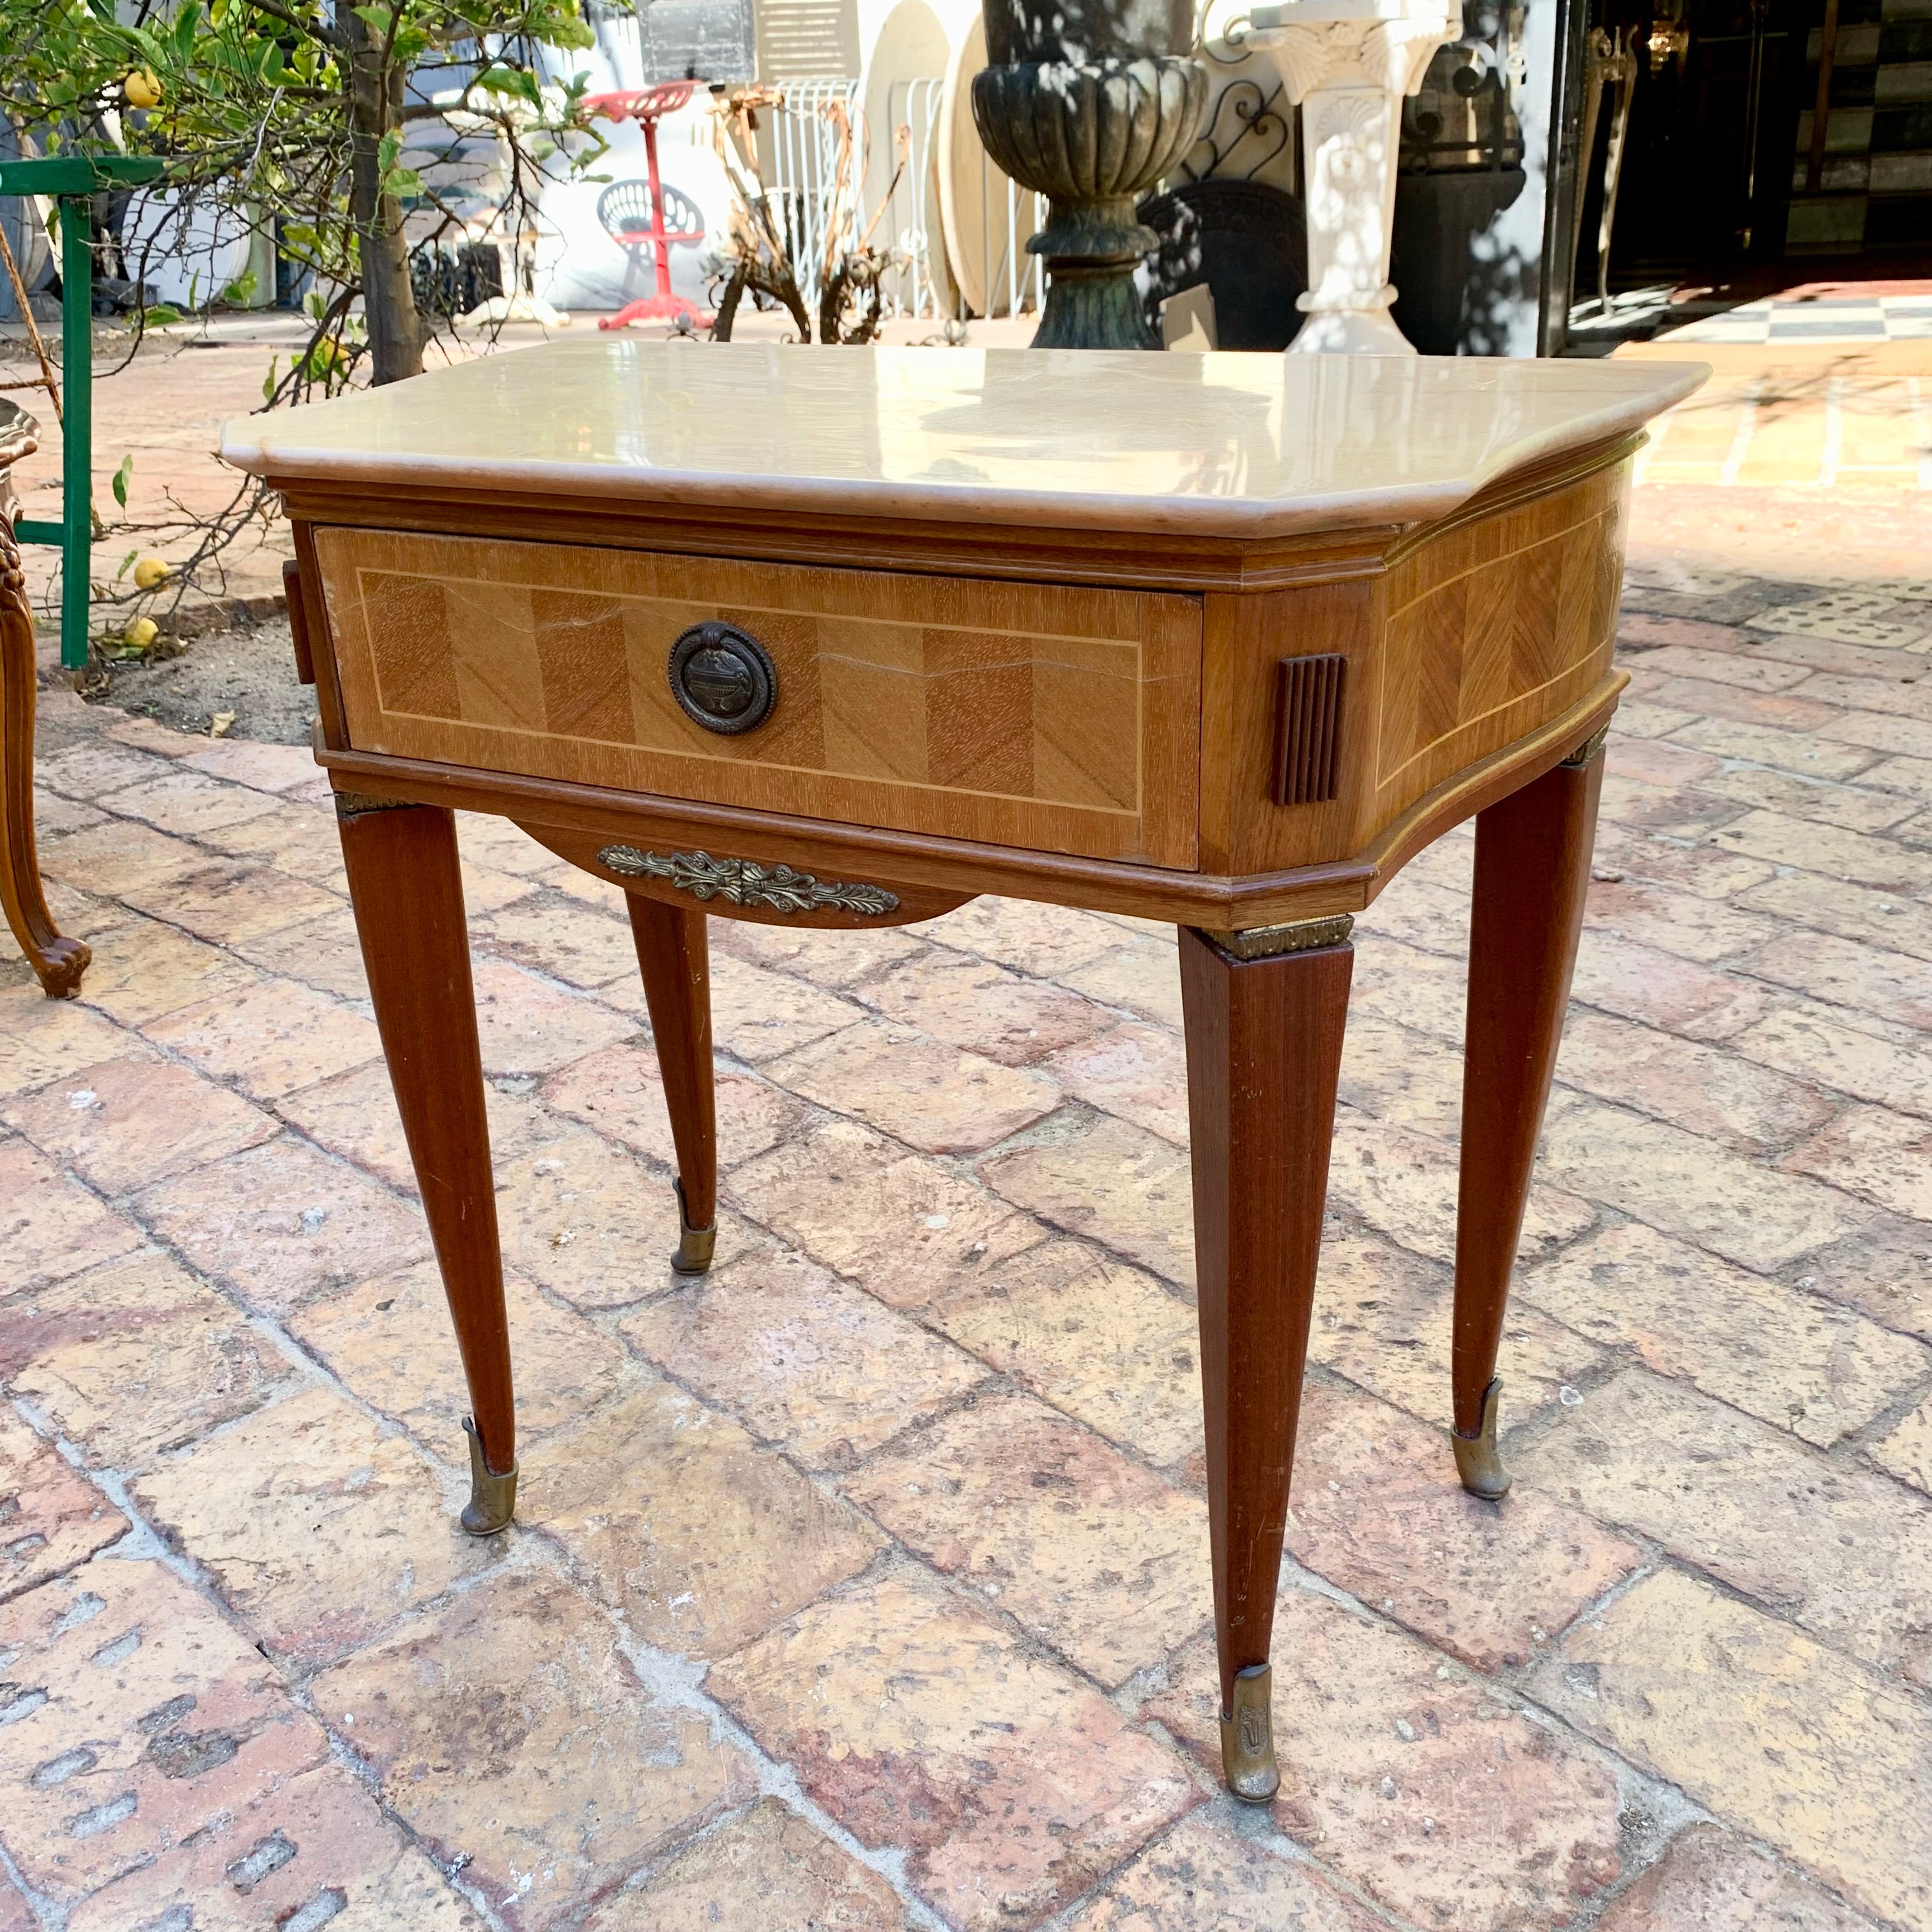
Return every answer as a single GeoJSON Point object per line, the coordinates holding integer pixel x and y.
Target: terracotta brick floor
{"type": "Point", "coordinates": [863, 1585]}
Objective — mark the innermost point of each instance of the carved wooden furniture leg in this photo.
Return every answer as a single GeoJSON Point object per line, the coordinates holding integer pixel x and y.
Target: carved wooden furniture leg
{"type": "Point", "coordinates": [408, 895]}
{"type": "Point", "coordinates": [674, 955]}
{"type": "Point", "coordinates": [1532, 872]}
{"type": "Point", "coordinates": [59, 962]}
{"type": "Point", "coordinates": [1265, 1012]}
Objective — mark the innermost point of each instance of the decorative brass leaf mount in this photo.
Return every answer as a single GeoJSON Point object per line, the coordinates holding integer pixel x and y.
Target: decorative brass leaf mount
{"type": "Point", "coordinates": [746, 883]}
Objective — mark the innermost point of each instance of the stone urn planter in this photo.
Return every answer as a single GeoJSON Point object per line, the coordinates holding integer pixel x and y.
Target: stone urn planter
{"type": "Point", "coordinates": [1090, 102]}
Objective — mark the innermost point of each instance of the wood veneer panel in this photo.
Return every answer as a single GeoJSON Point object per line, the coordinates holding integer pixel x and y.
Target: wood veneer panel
{"type": "Point", "coordinates": [1492, 628]}
{"type": "Point", "coordinates": [1471, 638]}
{"type": "Point", "coordinates": [332, 728]}
{"type": "Point", "coordinates": [1047, 717]}
{"type": "Point", "coordinates": [1246, 641]}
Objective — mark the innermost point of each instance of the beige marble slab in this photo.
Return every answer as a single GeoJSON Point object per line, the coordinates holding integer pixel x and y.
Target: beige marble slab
{"type": "Point", "coordinates": [1248, 445]}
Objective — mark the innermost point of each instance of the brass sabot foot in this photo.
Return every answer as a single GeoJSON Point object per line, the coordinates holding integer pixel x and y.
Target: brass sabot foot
{"type": "Point", "coordinates": [1247, 1737]}
{"type": "Point", "coordinates": [1476, 1461]}
{"type": "Point", "coordinates": [695, 1245]}
{"type": "Point", "coordinates": [493, 1498]}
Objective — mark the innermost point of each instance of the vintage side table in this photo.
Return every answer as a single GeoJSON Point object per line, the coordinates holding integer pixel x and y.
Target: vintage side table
{"type": "Point", "coordinates": [836, 638]}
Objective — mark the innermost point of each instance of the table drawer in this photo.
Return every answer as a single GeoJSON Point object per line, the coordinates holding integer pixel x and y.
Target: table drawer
{"type": "Point", "coordinates": [1044, 716]}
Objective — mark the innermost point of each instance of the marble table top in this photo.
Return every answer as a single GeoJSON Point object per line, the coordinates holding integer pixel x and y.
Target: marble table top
{"type": "Point", "coordinates": [1228, 444]}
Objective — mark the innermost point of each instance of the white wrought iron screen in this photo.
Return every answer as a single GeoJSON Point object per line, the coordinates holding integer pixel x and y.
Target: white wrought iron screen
{"type": "Point", "coordinates": [801, 178]}
{"type": "Point", "coordinates": [1014, 280]}
{"type": "Point", "coordinates": [803, 172]}
{"type": "Point", "coordinates": [911, 229]}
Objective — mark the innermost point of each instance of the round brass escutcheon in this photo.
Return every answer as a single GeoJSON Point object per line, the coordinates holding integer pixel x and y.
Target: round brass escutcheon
{"type": "Point", "coordinates": [723, 678]}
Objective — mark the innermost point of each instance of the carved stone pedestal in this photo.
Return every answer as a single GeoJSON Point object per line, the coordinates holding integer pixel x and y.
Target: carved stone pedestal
{"type": "Point", "coordinates": [1347, 65]}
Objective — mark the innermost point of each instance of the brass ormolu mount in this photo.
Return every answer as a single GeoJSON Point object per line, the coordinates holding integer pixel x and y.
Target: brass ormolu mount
{"type": "Point", "coordinates": [1270, 942]}
{"type": "Point", "coordinates": [493, 1498]}
{"type": "Point", "coordinates": [695, 1245]}
{"type": "Point", "coordinates": [1247, 1737]}
{"type": "Point", "coordinates": [1478, 1461]}
{"type": "Point", "coordinates": [1591, 748]}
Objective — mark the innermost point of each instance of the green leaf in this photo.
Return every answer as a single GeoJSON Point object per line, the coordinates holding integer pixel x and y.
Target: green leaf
{"type": "Point", "coordinates": [158, 316]}
{"type": "Point", "coordinates": [516, 80]}
{"type": "Point", "coordinates": [186, 22]}
{"type": "Point", "coordinates": [119, 485]}
{"type": "Point", "coordinates": [126, 564]}
{"type": "Point", "coordinates": [268, 380]}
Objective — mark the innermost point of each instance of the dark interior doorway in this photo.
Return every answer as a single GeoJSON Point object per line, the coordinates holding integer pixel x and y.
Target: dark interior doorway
{"type": "Point", "coordinates": [1706, 166]}
{"type": "Point", "coordinates": [1729, 176]}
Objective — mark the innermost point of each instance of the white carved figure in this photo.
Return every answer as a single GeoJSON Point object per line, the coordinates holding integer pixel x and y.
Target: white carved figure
{"type": "Point", "coordinates": [1346, 65]}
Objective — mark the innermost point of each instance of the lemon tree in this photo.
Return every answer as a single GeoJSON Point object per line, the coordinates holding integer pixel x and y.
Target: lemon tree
{"type": "Point", "coordinates": [297, 110]}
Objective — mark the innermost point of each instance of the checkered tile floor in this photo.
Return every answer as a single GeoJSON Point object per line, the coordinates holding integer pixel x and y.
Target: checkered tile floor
{"type": "Point", "coordinates": [1821, 319]}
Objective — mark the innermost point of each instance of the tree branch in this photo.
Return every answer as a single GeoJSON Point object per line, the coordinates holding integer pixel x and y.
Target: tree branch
{"type": "Point", "coordinates": [313, 29]}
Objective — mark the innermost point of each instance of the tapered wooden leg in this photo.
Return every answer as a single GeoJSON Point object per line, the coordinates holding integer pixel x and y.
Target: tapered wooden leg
{"type": "Point", "coordinates": [1264, 1051]}
{"type": "Point", "coordinates": [1532, 872]}
{"type": "Point", "coordinates": [674, 955]}
{"type": "Point", "coordinates": [58, 962]}
{"type": "Point", "coordinates": [408, 895]}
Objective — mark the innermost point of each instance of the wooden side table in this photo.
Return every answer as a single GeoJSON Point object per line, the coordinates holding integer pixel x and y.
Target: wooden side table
{"type": "Point", "coordinates": [842, 639]}
{"type": "Point", "coordinates": [58, 962]}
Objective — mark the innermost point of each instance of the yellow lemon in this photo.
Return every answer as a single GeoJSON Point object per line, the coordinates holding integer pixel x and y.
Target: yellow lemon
{"type": "Point", "coordinates": [141, 632]}
{"type": "Point", "coordinates": [152, 571]}
{"type": "Point", "coordinates": [142, 89]}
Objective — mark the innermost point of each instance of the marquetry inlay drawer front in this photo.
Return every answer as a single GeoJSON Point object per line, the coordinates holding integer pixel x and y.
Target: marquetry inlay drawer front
{"type": "Point", "coordinates": [1494, 627]}
{"type": "Point", "coordinates": [1054, 717]}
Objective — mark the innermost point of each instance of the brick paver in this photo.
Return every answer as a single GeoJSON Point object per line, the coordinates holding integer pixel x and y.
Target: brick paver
{"type": "Point", "coordinates": [863, 1583]}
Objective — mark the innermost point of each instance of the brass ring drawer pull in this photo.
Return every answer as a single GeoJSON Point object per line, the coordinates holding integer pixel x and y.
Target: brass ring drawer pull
{"type": "Point", "coordinates": [723, 678]}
